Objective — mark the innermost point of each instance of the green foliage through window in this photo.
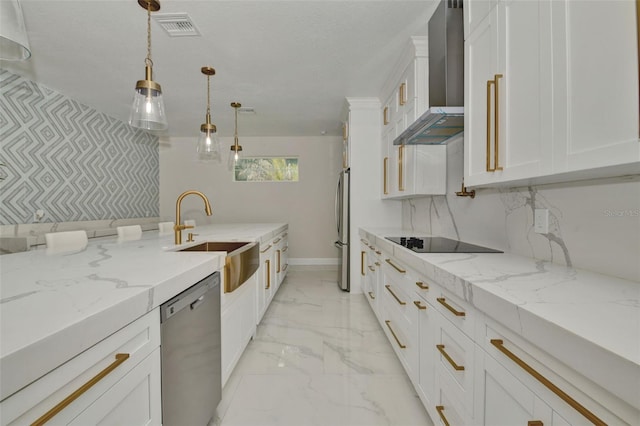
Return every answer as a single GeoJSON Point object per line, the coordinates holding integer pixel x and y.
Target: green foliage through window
{"type": "Point", "coordinates": [266, 169]}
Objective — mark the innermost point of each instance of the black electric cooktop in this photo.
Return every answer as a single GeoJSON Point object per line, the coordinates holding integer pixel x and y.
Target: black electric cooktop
{"type": "Point", "coordinates": [439, 245]}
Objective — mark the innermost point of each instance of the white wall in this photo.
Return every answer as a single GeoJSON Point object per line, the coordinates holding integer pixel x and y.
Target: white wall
{"type": "Point", "coordinates": [307, 206]}
{"type": "Point", "coordinates": [594, 224]}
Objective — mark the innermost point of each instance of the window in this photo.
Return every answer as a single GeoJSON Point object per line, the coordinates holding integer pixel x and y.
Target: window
{"type": "Point", "coordinates": [266, 169]}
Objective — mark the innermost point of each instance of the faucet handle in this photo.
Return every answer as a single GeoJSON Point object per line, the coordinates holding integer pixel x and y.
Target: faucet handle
{"type": "Point", "coordinates": [190, 237]}
{"type": "Point", "coordinates": [178, 227]}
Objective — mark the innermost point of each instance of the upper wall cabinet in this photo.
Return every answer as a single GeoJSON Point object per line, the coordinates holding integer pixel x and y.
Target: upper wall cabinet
{"type": "Point", "coordinates": [409, 171]}
{"type": "Point", "coordinates": [547, 99]}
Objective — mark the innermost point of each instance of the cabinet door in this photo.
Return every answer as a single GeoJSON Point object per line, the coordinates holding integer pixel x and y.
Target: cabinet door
{"type": "Point", "coordinates": [506, 400]}
{"type": "Point", "coordinates": [474, 12]}
{"type": "Point", "coordinates": [428, 327]}
{"type": "Point", "coordinates": [596, 83]}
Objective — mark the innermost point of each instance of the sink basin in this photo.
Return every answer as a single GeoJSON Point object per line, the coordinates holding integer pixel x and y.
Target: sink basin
{"type": "Point", "coordinates": [241, 262]}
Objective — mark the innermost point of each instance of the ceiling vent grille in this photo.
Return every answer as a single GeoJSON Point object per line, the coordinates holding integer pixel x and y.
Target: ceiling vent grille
{"type": "Point", "coordinates": [246, 110]}
{"type": "Point", "coordinates": [176, 24]}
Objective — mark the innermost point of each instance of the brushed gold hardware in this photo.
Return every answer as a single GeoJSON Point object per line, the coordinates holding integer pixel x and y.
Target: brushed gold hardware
{"type": "Point", "coordinates": [394, 335]}
{"type": "Point", "coordinates": [276, 241]}
{"type": "Point", "coordinates": [402, 94]}
{"type": "Point", "coordinates": [178, 228]}
{"type": "Point", "coordinates": [386, 169]}
{"type": "Point", "coordinates": [463, 190]}
{"type": "Point", "coordinates": [378, 252]}
{"type": "Point", "coordinates": [455, 312]}
{"type": "Point", "coordinates": [499, 344]}
{"type": "Point", "coordinates": [419, 305]}
{"type": "Point", "coordinates": [345, 131]}
{"type": "Point", "coordinates": [278, 267]}
{"type": "Point", "coordinates": [285, 248]}
{"type": "Point", "coordinates": [190, 236]}
{"type": "Point", "coordinates": [388, 287]}
{"type": "Point", "coordinates": [401, 168]}
{"type": "Point", "coordinates": [371, 295]}
{"type": "Point", "coordinates": [448, 358]}
{"type": "Point", "coordinates": [396, 267]}
{"type": "Point", "coordinates": [372, 247]}
{"type": "Point", "coordinates": [372, 269]}
{"type": "Point", "coordinates": [385, 115]}
{"type": "Point", "coordinates": [489, 84]}
{"type": "Point", "coordinates": [120, 358]}
{"type": "Point", "coordinates": [268, 262]}
{"type": "Point", "coordinates": [364, 241]}
{"type": "Point", "coordinates": [535, 423]}
{"type": "Point", "coordinates": [266, 249]}
{"type": "Point", "coordinates": [377, 263]}
{"type": "Point", "coordinates": [440, 410]}
{"type": "Point", "coordinates": [284, 268]}
{"type": "Point", "coordinates": [362, 254]}
{"type": "Point", "coordinates": [422, 285]}
{"type": "Point", "coordinates": [496, 131]}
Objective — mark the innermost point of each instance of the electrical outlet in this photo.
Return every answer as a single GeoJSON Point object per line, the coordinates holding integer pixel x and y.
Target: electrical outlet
{"type": "Point", "coordinates": [541, 221]}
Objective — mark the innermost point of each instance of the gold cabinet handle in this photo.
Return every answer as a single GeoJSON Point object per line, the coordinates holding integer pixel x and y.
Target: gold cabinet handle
{"type": "Point", "coordinates": [448, 358]}
{"type": "Point", "coordinates": [498, 343]}
{"type": "Point", "coordinates": [371, 295]}
{"type": "Point", "coordinates": [363, 241]}
{"type": "Point", "coordinates": [419, 305]}
{"type": "Point", "coordinates": [535, 423]}
{"type": "Point", "coordinates": [440, 410]}
{"type": "Point", "coordinates": [345, 131]}
{"type": "Point", "coordinates": [378, 252]}
{"type": "Point", "coordinates": [377, 263]}
{"type": "Point", "coordinates": [372, 269]}
{"type": "Point", "coordinates": [120, 358]}
{"type": "Point", "coordinates": [362, 255]}
{"type": "Point", "coordinates": [284, 268]}
{"type": "Point", "coordinates": [402, 94]}
{"type": "Point", "coordinates": [497, 120]}
{"type": "Point", "coordinates": [422, 285]}
{"type": "Point", "coordinates": [385, 115]}
{"type": "Point", "coordinates": [385, 166]}
{"type": "Point", "coordinates": [266, 249]}
{"type": "Point", "coordinates": [268, 262]}
{"type": "Point", "coordinates": [388, 287]}
{"type": "Point", "coordinates": [401, 168]}
{"type": "Point", "coordinates": [285, 248]}
{"type": "Point", "coordinates": [276, 241]}
{"type": "Point", "coordinates": [278, 267]}
{"type": "Point", "coordinates": [455, 312]}
{"type": "Point", "coordinates": [397, 268]}
{"type": "Point", "coordinates": [394, 335]}
{"type": "Point", "coordinates": [489, 84]}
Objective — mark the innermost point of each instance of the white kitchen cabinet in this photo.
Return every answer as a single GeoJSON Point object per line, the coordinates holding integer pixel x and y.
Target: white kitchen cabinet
{"type": "Point", "coordinates": [421, 170]}
{"type": "Point", "coordinates": [127, 366]}
{"type": "Point", "coordinates": [266, 279]}
{"type": "Point", "coordinates": [281, 247]}
{"type": "Point", "coordinates": [546, 98]}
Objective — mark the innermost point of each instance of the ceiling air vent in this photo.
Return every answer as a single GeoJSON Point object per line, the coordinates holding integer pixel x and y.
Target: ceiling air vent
{"type": "Point", "coordinates": [176, 24]}
{"type": "Point", "coordinates": [246, 110]}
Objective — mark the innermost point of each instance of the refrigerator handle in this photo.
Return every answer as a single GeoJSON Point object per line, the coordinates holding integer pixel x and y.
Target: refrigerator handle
{"type": "Point", "coordinates": [337, 205]}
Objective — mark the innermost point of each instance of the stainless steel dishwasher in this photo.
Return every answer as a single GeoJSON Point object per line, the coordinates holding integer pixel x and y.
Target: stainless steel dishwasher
{"type": "Point", "coordinates": [190, 352]}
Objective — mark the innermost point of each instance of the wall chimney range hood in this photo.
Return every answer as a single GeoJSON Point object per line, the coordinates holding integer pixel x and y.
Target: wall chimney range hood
{"type": "Point", "coordinates": [445, 117]}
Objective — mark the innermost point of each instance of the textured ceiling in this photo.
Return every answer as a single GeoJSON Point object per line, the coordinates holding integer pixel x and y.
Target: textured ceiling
{"type": "Point", "coordinates": [293, 61]}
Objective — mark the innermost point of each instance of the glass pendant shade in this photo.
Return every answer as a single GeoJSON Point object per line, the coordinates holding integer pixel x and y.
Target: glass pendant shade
{"type": "Point", "coordinates": [235, 153]}
{"type": "Point", "coordinates": [147, 111]}
{"type": "Point", "coordinates": [14, 44]}
{"type": "Point", "coordinates": [209, 144]}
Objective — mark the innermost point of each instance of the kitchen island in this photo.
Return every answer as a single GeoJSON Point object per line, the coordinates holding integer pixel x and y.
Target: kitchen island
{"type": "Point", "coordinates": [55, 306]}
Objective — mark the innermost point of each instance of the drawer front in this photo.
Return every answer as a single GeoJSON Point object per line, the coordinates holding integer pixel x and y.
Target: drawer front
{"type": "Point", "coordinates": [456, 310]}
{"type": "Point", "coordinates": [448, 409]}
{"type": "Point", "coordinates": [138, 340]}
{"type": "Point", "coordinates": [456, 359]}
{"type": "Point", "coordinates": [403, 337]}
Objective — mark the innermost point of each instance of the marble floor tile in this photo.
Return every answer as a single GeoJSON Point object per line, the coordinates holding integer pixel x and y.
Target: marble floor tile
{"type": "Point", "coordinates": [319, 357]}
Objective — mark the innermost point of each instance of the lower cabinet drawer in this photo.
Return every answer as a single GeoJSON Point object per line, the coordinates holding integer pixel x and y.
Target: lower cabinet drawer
{"type": "Point", "coordinates": [404, 340]}
{"type": "Point", "coordinates": [449, 409]}
{"type": "Point", "coordinates": [104, 364]}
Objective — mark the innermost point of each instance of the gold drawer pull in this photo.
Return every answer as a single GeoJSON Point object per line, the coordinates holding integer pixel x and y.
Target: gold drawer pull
{"type": "Point", "coordinates": [385, 115]}
{"type": "Point", "coordinates": [268, 262]}
{"type": "Point", "coordinates": [498, 343]}
{"type": "Point", "coordinates": [278, 267]}
{"type": "Point", "coordinates": [285, 248]}
{"type": "Point", "coordinates": [422, 285]}
{"type": "Point", "coordinates": [385, 165]}
{"type": "Point", "coordinates": [276, 241]}
{"type": "Point", "coordinates": [444, 303]}
{"type": "Point", "coordinates": [440, 410]}
{"type": "Point", "coordinates": [372, 269]}
{"type": "Point", "coordinates": [372, 248]}
{"type": "Point", "coordinates": [419, 305]}
{"type": "Point", "coordinates": [284, 268]}
{"type": "Point", "coordinates": [402, 98]}
{"type": "Point", "coordinates": [448, 358]}
{"type": "Point", "coordinates": [362, 254]}
{"type": "Point", "coordinates": [394, 335]}
{"type": "Point", "coordinates": [120, 358]}
{"type": "Point", "coordinates": [378, 252]}
{"type": "Point", "coordinates": [266, 249]}
{"type": "Point", "coordinates": [535, 423]}
{"type": "Point", "coordinates": [371, 295]}
{"type": "Point", "coordinates": [396, 267]}
{"type": "Point", "coordinates": [394, 295]}
{"type": "Point", "coordinates": [377, 263]}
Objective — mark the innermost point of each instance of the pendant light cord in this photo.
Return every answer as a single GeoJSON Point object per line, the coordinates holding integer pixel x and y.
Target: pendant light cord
{"type": "Point", "coordinates": [235, 134]}
{"type": "Point", "coordinates": [148, 60]}
{"type": "Point", "coordinates": [208, 95]}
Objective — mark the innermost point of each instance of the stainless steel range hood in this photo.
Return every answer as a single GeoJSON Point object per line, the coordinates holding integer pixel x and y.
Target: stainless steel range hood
{"type": "Point", "coordinates": [445, 117]}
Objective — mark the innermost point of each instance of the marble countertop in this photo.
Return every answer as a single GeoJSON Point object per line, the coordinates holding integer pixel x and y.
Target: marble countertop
{"type": "Point", "coordinates": [582, 318]}
{"type": "Point", "coordinates": [54, 306]}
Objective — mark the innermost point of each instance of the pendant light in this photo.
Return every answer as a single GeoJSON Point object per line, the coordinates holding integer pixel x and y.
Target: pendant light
{"type": "Point", "coordinates": [236, 149]}
{"type": "Point", "coordinates": [14, 44]}
{"type": "Point", "coordinates": [208, 142]}
{"type": "Point", "coordinates": [147, 111]}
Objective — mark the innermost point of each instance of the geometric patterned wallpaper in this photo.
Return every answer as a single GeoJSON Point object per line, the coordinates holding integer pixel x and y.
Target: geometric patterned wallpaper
{"type": "Point", "coordinates": [69, 160]}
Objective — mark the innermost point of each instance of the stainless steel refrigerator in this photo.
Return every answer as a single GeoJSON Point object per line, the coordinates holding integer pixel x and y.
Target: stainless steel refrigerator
{"type": "Point", "coordinates": [342, 226]}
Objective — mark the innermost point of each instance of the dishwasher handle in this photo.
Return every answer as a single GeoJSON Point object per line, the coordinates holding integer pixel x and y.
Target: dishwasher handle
{"type": "Point", "coordinates": [190, 298]}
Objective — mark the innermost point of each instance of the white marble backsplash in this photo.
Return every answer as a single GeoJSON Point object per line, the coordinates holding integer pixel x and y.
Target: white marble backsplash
{"type": "Point", "coordinates": [593, 225]}
{"type": "Point", "coordinates": [23, 236]}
